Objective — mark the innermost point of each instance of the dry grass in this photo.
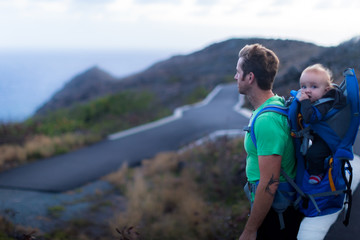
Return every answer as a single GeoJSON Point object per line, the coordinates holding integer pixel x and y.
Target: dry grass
{"type": "Point", "coordinates": [190, 195]}
{"type": "Point", "coordinates": [120, 178]}
{"type": "Point", "coordinates": [79, 229]}
{"type": "Point", "coordinates": [162, 163]}
{"type": "Point", "coordinates": [41, 146]}
{"type": "Point", "coordinates": [9, 153]}
{"type": "Point", "coordinates": [167, 208]}
{"type": "Point", "coordinates": [8, 231]}
{"type": "Point", "coordinates": [195, 194]}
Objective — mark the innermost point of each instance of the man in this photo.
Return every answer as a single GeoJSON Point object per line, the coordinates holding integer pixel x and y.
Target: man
{"type": "Point", "coordinates": [256, 70]}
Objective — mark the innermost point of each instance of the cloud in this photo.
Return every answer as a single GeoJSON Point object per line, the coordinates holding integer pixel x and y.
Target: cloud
{"type": "Point", "coordinates": [158, 1]}
{"type": "Point", "coordinates": [87, 2]}
{"type": "Point", "coordinates": [147, 23]}
{"type": "Point", "coordinates": [282, 2]}
{"type": "Point", "coordinates": [207, 2]}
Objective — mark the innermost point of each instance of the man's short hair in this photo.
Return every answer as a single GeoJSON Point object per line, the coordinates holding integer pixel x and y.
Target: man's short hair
{"type": "Point", "coordinates": [262, 62]}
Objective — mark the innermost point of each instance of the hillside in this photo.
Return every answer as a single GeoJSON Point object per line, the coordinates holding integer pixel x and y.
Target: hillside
{"type": "Point", "coordinates": [341, 57]}
{"type": "Point", "coordinates": [91, 84]}
{"type": "Point", "coordinates": [176, 78]}
{"type": "Point", "coordinates": [337, 59]}
{"type": "Point", "coordinates": [95, 104]}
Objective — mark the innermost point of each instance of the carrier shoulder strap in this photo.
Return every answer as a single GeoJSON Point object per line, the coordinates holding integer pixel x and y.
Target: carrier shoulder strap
{"type": "Point", "coordinates": [352, 94]}
{"type": "Point", "coordinates": [269, 108]}
{"type": "Point", "coordinates": [351, 90]}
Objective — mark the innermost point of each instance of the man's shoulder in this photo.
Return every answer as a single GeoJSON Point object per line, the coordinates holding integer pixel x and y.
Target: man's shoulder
{"type": "Point", "coordinates": [276, 100]}
{"type": "Point", "coordinates": [271, 118]}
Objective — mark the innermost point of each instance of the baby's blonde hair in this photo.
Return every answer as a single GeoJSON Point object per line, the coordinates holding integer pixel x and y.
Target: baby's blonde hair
{"type": "Point", "coordinates": [319, 68]}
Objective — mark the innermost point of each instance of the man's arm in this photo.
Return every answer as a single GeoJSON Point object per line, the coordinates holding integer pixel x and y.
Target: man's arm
{"type": "Point", "coordinates": [269, 181]}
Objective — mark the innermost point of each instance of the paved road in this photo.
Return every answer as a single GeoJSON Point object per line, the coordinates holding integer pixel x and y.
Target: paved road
{"type": "Point", "coordinates": [75, 169]}
{"type": "Point", "coordinates": [69, 171]}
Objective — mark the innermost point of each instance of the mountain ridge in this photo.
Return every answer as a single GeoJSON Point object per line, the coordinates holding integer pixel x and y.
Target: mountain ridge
{"type": "Point", "coordinates": [176, 77]}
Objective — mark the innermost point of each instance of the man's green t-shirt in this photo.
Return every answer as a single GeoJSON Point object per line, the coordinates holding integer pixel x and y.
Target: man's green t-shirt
{"type": "Point", "coordinates": [272, 134]}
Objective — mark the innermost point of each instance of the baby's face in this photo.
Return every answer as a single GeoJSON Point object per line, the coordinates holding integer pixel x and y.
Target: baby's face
{"type": "Point", "coordinates": [313, 85]}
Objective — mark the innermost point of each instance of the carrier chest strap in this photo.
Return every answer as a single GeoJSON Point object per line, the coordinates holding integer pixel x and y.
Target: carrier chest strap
{"type": "Point", "coordinates": [323, 100]}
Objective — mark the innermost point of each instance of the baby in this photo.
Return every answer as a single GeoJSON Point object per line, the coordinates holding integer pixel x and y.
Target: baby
{"type": "Point", "coordinates": [316, 83]}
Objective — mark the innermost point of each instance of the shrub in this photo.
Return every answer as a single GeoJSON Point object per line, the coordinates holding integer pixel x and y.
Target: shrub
{"type": "Point", "coordinates": [56, 211]}
{"type": "Point", "coordinates": [68, 129]}
{"type": "Point", "coordinates": [41, 146]}
{"type": "Point", "coordinates": [195, 194]}
{"type": "Point", "coordinates": [101, 116]}
{"type": "Point", "coordinates": [196, 95]}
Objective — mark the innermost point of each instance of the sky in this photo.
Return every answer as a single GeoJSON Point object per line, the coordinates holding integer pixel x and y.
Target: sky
{"type": "Point", "coordinates": [179, 25]}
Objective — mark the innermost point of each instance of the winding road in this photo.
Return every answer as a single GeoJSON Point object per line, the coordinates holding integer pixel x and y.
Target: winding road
{"type": "Point", "coordinates": [72, 170]}
{"type": "Point", "coordinates": [220, 111]}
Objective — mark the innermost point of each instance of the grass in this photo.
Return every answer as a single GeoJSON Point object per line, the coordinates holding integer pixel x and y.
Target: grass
{"type": "Point", "coordinates": [42, 146]}
{"type": "Point", "coordinates": [56, 211]}
{"type": "Point", "coordinates": [9, 231]}
{"type": "Point", "coordinates": [191, 194]}
{"type": "Point", "coordinates": [196, 194]}
{"type": "Point", "coordinates": [196, 95]}
{"type": "Point", "coordinates": [68, 129]}
{"type": "Point", "coordinates": [102, 116]}
{"type": "Point", "coordinates": [102, 204]}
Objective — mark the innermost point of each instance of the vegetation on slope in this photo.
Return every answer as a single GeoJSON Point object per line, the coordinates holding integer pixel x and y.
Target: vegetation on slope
{"type": "Point", "coordinates": [68, 129]}
{"type": "Point", "coordinates": [194, 194]}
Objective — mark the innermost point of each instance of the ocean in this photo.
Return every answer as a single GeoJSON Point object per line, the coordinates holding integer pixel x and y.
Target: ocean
{"type": "Point", "coordinates": [30, 78]}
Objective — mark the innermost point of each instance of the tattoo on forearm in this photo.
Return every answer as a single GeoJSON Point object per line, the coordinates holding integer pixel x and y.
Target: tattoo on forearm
{"type": "Point", "coordinates": [271, 182]}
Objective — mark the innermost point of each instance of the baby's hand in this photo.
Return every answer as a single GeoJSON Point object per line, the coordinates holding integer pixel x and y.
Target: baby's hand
{"type": "Point", "coordinates": [301, 95]}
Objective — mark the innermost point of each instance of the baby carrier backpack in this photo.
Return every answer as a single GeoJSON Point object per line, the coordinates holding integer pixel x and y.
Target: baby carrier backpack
{"type": "Point", "coordinates": [338, 128]}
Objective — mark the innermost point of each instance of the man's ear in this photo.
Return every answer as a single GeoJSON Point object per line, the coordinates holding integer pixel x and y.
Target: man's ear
{"type": "Point", "coordinates": [251, 77]}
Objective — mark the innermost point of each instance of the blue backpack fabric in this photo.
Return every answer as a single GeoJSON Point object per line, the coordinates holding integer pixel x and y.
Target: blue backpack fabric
{"type": "Point", "coordinates": [339, 129]}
